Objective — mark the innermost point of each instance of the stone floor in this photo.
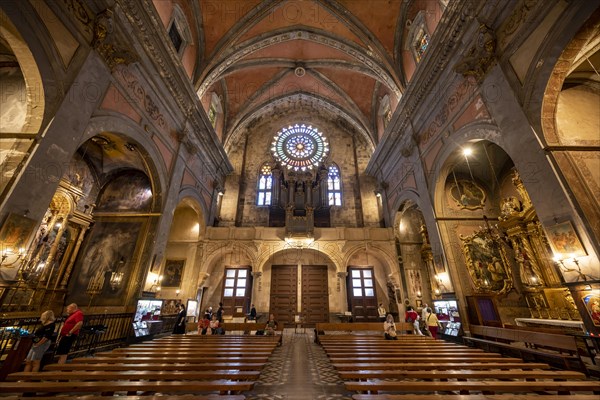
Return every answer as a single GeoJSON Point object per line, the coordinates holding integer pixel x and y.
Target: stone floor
{"type": "Point", "coordinates": [299, 370]}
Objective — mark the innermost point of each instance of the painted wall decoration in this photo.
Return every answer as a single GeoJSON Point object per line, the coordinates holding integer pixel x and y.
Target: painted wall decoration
{"type": "Point", "coordinates": [130, 191]}
{"type": "Point", "coordinates": [110, 247]}
{"type": "Point", "coordinates": [592, 304]}
{"type": "Point", "coordinates": [564, 241]}
{"type": "Point", "coordinates": [467, 194]}
{"type": "Point", "coordinates": [487, 263]}
{"type": "Point", "coordinates": [15, 232]}
{"type": "Point", "coordinates": [173, 273]}
{"type": "Point", "coordinates": [14, 235]}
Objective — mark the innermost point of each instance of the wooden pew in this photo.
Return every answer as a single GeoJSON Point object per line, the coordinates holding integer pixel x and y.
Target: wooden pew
{"type": "Point", "coordinates": [399, 352]}
{"type": "Point", "coordinates": [439, 366]}
{"type": "Point", "coordinates": [431, 359]}
{"type": "Point", "coordinates": [149, 397]}
{"type": "Point", "coordinates": [212, 366]}
{"type": "Point", "coordinates": [488, 386]}
{"type": "Point", "coordinates": [186, 353]}
{"type": "Point", "coordinates": [503, 340]}
{"type": "Point", "coordinates": [232, 375]}
{"type": "Point", "coordinates": [470, 397]}
{"type": "Point", "coordinates": [461, 374]}
{"type": "Point", "coordinates": [108, 388]}
{"type": "Point", "coordinates": [161, 358]}
{"type": "Point", "coordinates": [359, 327]}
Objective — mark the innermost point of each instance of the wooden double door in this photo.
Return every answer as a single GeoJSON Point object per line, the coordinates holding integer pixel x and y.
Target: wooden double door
{"type": "Point", "coordinates": [299, 290]}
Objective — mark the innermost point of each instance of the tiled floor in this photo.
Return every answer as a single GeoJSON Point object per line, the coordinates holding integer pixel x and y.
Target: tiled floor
{"type": "Point", "coordinates": [299, 370]}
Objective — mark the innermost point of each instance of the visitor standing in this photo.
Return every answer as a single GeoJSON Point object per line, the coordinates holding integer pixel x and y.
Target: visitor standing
{"type": "Point", "coordinates": [69, 332]}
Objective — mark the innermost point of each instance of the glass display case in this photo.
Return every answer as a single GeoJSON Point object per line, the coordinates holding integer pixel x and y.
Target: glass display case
{"type": "Point", "coordinates": [447, 313]}
{"type": "Point", "coordinates": [146, 320]}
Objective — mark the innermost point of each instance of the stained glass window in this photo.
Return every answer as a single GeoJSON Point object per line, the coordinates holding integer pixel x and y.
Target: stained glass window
{"type": "Point", "coordinates": [421, 45]}
{"type": "Point", "coordinates": [265, 185]}
{"type": "Point", "coordinates": [212, 115]}
{"type": "Point", "coordinates": [334, 186]}
{"type": "Point", "coordinates": [300, 147]}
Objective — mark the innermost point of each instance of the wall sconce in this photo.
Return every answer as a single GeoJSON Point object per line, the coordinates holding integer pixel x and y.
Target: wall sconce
{"type": "Point", "coordinates": [155, 287]}
{"type": "Point", "coordinates": [560, 260]}
{"type": "Point", "coordinates": [116, 277]}
{"type": "Point", "coordinates": [177, 292]}
{"type": "Point", "coordinates": [7, 259]}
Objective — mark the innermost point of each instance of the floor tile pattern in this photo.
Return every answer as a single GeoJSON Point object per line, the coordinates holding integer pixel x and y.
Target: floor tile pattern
{"type": "Point", "coordinates": [299, 370]}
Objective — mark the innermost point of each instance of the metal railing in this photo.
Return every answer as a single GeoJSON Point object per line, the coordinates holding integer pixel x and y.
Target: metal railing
{"type": "Point", "coordinates": [100, 331]}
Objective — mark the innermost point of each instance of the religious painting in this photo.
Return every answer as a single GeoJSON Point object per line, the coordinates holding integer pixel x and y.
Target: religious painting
{"type": "Point", "coordinates": [173, 273]}
{"type": "Point", "coordinates": [467, 194]}
{"type": "Point", "coordinates": [108, 251]}
{"type": "Point", "coordinates": [592, 305]}
{"type": "Point", "coordinates": [564, 241]}
{"type": "Point", "coordinates": [15, 232]}
{"type": "Point", "coordinates": [128, 192]}
{"type": "Point", "coordinates": [487, 263]}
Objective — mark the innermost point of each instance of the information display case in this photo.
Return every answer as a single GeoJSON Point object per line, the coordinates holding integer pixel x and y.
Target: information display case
{"type": "Point", "coordinates": [447, 313]}
{"type": "Point", "coordinates": [146, 320]}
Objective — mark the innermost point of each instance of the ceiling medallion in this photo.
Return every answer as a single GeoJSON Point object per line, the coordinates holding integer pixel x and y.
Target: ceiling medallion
{"type": "Point", "coordinates": [300, 72]}
{"type": "Point", "coordinates": [300, 147]}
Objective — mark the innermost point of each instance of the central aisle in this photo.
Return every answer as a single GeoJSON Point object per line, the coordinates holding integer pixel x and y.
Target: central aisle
{"type": "Point", "coordinates": [299, 370]}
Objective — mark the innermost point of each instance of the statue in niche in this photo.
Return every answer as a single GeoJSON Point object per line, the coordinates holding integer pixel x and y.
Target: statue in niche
{"type": "Point", "coordinates": [530, 275]}
{"type": "Point", "coordinates": [509, 206]}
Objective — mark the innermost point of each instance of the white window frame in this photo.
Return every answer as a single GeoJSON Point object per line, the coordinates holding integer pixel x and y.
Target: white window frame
{"type": "Point", "coordinates": [183, 28]}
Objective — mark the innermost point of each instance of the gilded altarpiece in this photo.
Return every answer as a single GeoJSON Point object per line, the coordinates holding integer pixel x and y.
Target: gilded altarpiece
{"type": "Point", "coordinates": [44, 267]}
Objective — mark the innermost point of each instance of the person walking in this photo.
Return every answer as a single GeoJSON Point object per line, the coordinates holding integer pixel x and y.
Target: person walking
{"type": "Point", "coordinates": [69, 332]}
{"type": "Point", "coordinates": [41, 342]}
{"type": "Point", "coordinates": [432, 322]}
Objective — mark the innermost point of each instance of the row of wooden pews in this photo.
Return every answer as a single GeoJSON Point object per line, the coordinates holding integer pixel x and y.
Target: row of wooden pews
{"type": "Point", "coordinates": [212, 367]}
{"type": "Point", "coordinates": [417, 367]}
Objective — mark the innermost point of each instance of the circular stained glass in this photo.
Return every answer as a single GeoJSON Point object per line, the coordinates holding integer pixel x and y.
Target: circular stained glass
{"type": "Point", "coordinates": [300, 147]}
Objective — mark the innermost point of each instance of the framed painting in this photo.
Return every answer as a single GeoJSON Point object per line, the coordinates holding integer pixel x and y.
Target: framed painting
{"type": "Point", "coordinates": [592, 305]}
{"type": "Point", "coordinates": [487, 263]}
{"type": "Point", "coordinates": [15, 232]}
{"type": "Point", "coordinates": [110, 247]}
{"type": "Point", "coordinates": [467, 195]}
{"type": "Point", "coordinates": [564, 241]}
{"type": "Point", "coordinates": [172, 273]}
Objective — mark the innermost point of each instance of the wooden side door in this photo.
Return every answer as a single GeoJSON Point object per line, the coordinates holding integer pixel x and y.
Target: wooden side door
{"type": "Point", "coordinates": [284, 293]}
{"type": "Point", "coordinates": [315, 294]}
{"type": "Point", "coordinates": [362, 299]}
{"type": "Point", "coordinates": [237, 289]}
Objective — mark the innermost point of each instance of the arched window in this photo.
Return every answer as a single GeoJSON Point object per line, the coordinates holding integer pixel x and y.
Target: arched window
{"type": "Point", "coordinates": [334, 186]}
{"type": "Point", "coordinates": [265, 185]}
{"type": "Point", "coordinates": [179, 30]}
{"type": "Point", "coordinates": [418, 37]}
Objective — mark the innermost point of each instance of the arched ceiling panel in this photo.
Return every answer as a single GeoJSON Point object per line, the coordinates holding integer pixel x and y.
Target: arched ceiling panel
{"type": "Point", "coordinates": [241, 86]}
{"type": "Point", "coordinates": [358, 87]}
{"type": "Point", "coordinates": [305, 13]}
{"type": "Point", "coordinates": [290, 83]}
{"type": "Point", "coordinates": [218, 17]}
{"type": "Point", "coordinates": [378, 16]}
{"type": "Point", "coordinates": [299, 51]}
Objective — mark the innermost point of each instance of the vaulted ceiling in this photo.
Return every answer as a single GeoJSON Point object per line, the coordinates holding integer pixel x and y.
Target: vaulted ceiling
{"type": "Point", "coordinates": [333, 57]}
